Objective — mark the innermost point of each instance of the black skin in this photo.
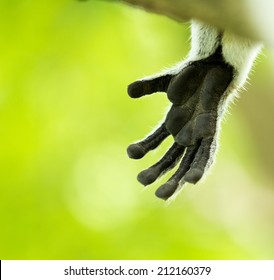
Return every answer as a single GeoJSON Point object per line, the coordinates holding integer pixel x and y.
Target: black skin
{"type": "Point", "coordinates": [197, 94]}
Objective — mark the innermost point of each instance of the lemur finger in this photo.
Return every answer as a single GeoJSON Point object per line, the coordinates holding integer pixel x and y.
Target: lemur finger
{"type": "Point", "coordinates": [140, 149]}
{"type": "Point", "coordinates": [202, 126]}
{"type": "Point", "coordinates": [167, 162]}
{"type": "Point", "coordinates": [213, 87]}
{"type": "Point", "coordinates": [203, 159]}
{"type": "Point", "coordinates": [168, 189]}
{"type": "Point", "coordinates": [148, 86]}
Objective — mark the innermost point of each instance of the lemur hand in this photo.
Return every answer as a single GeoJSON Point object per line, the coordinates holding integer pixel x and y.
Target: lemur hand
{"type": "Point", "coordinates": [197, 94]}
{"type": "Point", "coordinates": [198, 90]}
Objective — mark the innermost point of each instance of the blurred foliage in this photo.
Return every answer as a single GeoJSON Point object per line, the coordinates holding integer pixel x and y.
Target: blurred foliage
{"type": "Point", "coordinates": [67, 188]}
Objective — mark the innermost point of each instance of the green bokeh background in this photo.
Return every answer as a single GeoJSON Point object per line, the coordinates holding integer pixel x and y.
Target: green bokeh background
{"type": "Point", "coordinates": [67, 188]}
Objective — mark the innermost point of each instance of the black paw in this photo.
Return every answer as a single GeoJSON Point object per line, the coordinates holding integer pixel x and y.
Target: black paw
{"type": "Point", "coordinates": [197, 94]}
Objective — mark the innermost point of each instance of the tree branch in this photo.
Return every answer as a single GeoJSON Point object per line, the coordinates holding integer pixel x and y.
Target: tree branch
{"type": "Point", "coordinates": [248, 18]}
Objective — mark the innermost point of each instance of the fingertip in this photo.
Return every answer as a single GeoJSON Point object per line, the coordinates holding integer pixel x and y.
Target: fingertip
{"type": "Point", "coordinates": [136, 151]}
{"type": "Point", "coordinates": [166, 190]}
{"type": "Point", "coordinates": [148, 176]}
{"type": "Point", "coordinates": [136, 89]}
{"type": "Point", "coordinates": [193, 175]}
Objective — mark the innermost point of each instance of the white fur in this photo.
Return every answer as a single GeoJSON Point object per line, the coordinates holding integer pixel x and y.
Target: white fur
{"type": "Point", "coordinates": [205, 39]}
{"type": "Point", "coordinates": [239, 53]}
{"type": "Point", "coordinates": [204, 42]}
